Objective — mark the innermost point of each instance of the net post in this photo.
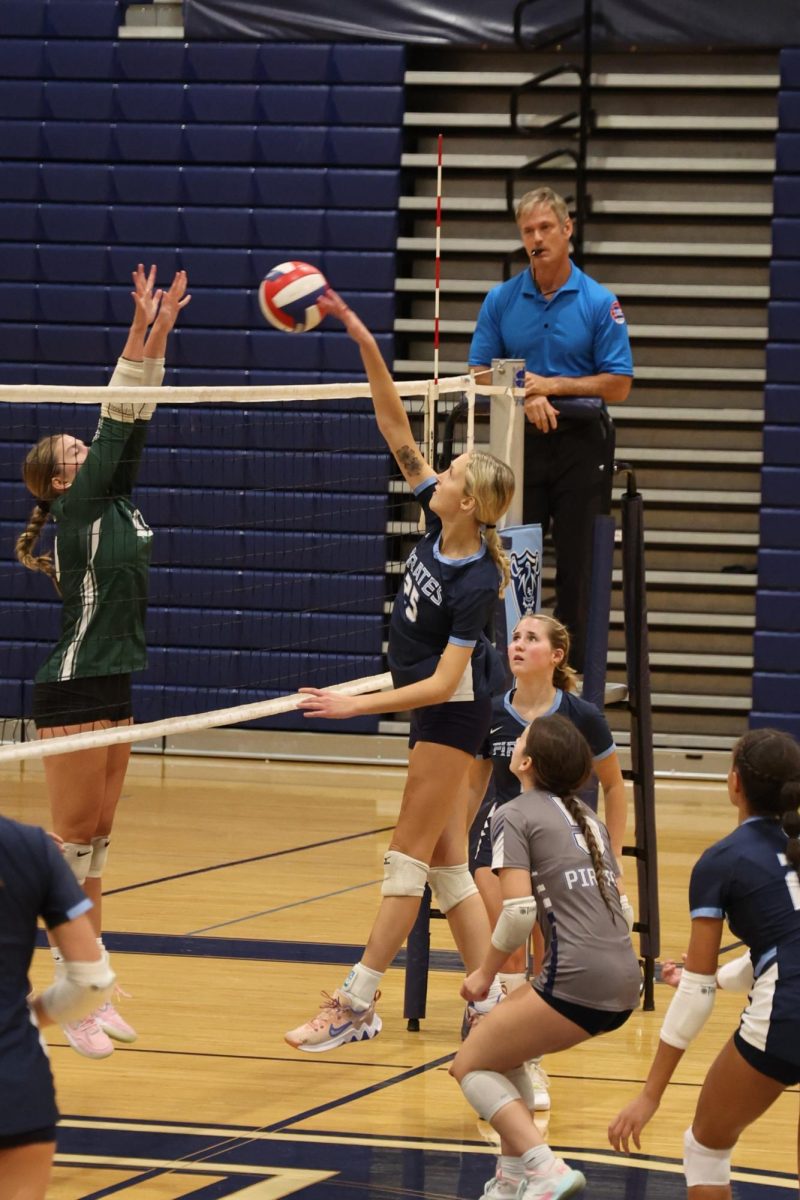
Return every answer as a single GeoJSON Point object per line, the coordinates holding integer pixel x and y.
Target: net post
{"type": "Point", "coordinates": [418, 948]}
{"type": "Point", "coordinates": [507, 428]}
{"type": "Point", "coordinates": [470, 395]}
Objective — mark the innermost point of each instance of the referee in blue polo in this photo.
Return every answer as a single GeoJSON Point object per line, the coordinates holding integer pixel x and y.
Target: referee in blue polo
{"type": "Point", "coordinates": [571, 332]}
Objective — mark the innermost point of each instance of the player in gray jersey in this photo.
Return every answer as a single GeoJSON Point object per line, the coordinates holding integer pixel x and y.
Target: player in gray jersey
{"type": "Point", "coordinates": [556, 867]}
{"type": "Point", "coordinates": [102, 554]}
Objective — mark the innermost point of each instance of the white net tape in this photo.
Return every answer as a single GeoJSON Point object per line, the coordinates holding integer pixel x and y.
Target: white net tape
{"type": "Point", "coordinates": [172, 726]}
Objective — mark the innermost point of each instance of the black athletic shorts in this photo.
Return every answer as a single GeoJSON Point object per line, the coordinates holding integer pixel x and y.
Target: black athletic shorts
{"type": "Point", "coordinates": [462, 724]}
{"type": "Point", "coordinates": [593, 1020]}
{"type": "Point", "coordinates": [767, 1064]}
{"type": "Point", "coordinates": [82, 701]}
{"type": "Point", "coordinates": [8, 1141]}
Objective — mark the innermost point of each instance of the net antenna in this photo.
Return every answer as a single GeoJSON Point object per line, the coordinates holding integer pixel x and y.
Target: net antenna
{"type": "Point", "coordinates": [433, 388]}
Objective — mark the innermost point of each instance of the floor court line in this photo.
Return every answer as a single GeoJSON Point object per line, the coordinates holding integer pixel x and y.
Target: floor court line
{"type": "Point", "coordinates": [241, 862]}
{"type": "Point", "coordinates": [283, 907]}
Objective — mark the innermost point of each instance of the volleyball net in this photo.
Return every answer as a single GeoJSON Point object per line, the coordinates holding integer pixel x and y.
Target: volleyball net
{"type": "Point", "coordinates": [280, 526]}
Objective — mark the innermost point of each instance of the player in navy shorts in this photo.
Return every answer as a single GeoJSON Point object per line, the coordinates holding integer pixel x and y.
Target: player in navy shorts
{"type": "Point", "coordinates": [751, 879]}
{"type": "Point", "coordinates": [556, 868]}
{"type": "Point", "coordinates": [443, 667]}
{"type": "Point", "coordinates": [35, 881]}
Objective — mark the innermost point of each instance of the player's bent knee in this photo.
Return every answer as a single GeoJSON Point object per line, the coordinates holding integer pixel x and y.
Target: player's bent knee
{"type": "Point", "coordinates": [97, 862]}
{"type": "Point", "coordinates": [704, 1167]}
{"type": "Point", "coordinates": [402, 875]}
{"type": "Point", "coordinates": [79, 858]}
{"type": "Point", "coordinates": [521, 1080]}
{"type": "Point", "coordinates": [451, 885]}
{"type": "Point", "coordinates": [488, 1092]}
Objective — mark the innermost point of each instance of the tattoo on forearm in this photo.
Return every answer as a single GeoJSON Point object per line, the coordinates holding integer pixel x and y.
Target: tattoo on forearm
{"type": "Point", "coordinates": [409, 460]}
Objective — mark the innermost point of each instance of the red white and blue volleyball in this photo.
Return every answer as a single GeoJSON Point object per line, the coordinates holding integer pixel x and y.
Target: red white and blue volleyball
{"type": "Point", "coordinates": [288, 296]}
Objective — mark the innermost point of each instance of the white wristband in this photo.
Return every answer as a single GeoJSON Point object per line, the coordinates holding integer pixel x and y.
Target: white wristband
{"type": "Point", "coordinates": [514, 923]}
{"type": "Point", "coordinates": [689, 1010]}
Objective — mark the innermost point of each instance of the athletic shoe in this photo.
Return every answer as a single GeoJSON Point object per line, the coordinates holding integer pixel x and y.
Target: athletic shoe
{"type": "Point", "coordinates": [88, 1038]}
{"type": "Point", "coordinates": [335, 1024]}
{"type": "Point", "coordinates": [113, 1024]}
{"type": "Point", "coordinates": [541, 1087]}
{"type": "Point", "coordinates": [555, 1182]}
{"type": "Point", "coordinates": [498, 1188]}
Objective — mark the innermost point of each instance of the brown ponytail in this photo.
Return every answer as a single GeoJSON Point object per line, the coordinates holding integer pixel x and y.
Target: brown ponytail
{"type": "Point", "coordinates": [564, 676]}
{"type": "Point", "coordinates": [40, 465]}
{"type": "Point", "coordinates": [562, 762]}
{"type": "Point", "coordinates": [768, 764]}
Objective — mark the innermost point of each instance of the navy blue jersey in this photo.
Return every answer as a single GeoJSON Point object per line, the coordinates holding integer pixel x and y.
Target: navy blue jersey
{"type": "Point", "coordinates": [34, 881]}
{"type": "Point", "coordinates": [507, 724]}
{"type": "Point", "coordinates": [745, 879]}
{"type": "Point", "coordinates": [443, 600]}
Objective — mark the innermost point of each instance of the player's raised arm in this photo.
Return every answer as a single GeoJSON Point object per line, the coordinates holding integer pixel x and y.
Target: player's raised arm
{"type": "Point", "coordinates": [392, 418]}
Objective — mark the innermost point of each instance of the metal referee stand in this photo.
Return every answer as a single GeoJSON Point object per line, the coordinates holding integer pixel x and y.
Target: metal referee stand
{"type": "Point", "coordinates": [507, 432]}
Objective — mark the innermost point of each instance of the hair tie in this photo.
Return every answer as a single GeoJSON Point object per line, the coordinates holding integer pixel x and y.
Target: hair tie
{"type": "Point", "coordinates": [490, 527]}
{"type": "Point", "coordinates": [44, 505]}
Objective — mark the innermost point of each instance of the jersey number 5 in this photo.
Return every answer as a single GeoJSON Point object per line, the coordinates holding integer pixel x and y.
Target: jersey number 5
{"type": "Point", "coordinates": [792, 881]}
{"type": "Point", "coordinates": [412, 598]}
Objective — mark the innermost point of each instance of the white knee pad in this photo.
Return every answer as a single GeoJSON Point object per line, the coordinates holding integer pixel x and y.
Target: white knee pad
{"type": "Point", "coordinates": [488, 1092]}
{"type": "Point", "coordinates": [521, 1080]}
{"type": "Point", "coordinates": [403, 876]}
{"type": "Point", "coordinates": [79, 859]}
{"type": "Point", "coordinates": [99, 856]}
{"type": "Point", "coordinates": [704, 1167]}
{"type": "Point", "coordinates": [451, 885]}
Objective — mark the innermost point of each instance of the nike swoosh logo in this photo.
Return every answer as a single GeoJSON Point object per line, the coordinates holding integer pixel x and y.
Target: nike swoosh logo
{"type": "Point", "coordinates": [335, 1030]}
{"type": "Point", "coordinates": [492, 732]}
{"type": "Point", "coordinates": [82, 853]}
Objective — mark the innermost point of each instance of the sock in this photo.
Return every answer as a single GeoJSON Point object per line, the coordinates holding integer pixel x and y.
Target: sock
{"type": "Point", "coordinates": [361, 985]}
{"type": "Point", "coordinates": [511, 981]}
{"type": "Point", "coordinates": [495, 992]}
{"type": "Point", "coordinates": [510, 1168]}
{"type": "Point", "coordinates": [538, 1159]}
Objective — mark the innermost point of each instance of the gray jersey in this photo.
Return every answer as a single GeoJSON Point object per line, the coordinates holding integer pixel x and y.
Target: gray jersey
{"type": "Point", "coordinates": [589, 958]}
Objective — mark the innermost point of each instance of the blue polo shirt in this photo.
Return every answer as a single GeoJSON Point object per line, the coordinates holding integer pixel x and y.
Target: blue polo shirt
{"type": "Point", "coordinates": [580, 330]}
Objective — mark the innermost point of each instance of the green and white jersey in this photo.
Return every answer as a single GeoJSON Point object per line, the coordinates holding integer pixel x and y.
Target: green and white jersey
{"type": "Point", "coordinates": [102, 556]}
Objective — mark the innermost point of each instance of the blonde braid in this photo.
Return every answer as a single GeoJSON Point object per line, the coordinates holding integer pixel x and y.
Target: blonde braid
{"type": "Point", "coordinates": [498, 555]}
{"type": "Point", "coordinates": [576, 811]}
{"type": "Point", "coordinates": [26, 541]}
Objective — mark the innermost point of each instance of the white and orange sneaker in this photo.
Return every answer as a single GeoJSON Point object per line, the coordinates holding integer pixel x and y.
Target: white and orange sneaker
{"type": "Point", "coordinates": [335, 1024]}
{"type": "Point", "coordinates": [88, 1038]}
{"type": "Point", "coordinates": [556, 1181]}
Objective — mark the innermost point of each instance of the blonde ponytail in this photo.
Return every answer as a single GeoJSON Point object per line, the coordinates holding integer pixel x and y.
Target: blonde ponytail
{"type": "Point", "coordinates": [490, 482]}
{"type": "Point", "coordinates": [564, 676]}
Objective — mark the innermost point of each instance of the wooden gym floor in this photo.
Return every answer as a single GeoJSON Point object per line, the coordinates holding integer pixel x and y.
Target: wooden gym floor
{"type": "Point", "coordinates": [237, 891]}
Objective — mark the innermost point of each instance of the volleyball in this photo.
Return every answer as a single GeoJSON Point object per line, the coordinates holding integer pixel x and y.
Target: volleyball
{"type": "Point", "coordinates": [288, 296]}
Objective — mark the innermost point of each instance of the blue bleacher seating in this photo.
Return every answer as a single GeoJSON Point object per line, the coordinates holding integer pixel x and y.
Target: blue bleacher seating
{"type": "Point", "coordinates": [290, 187]}
{"type": "Point", "coordinates": [77, 302]}
{"type": "Point", "coordinates": [368, 271]}
{"type": "Point", "coordinates": [19, 262]}
{"type": "Point", "coordinates": [219, 308]}
{"type": "Point", "coordinates": [362, 189]}
{"type": "Point", "coordinates": [786, 196]}
{"type": "Point", "coordinates": [149, 60]}
{"type": "Point", "coordinates": [780, 527]}
{"type": "Point", "coordinates": [20, 139]}
{"type": "Point", "coordinates": [218, 144]}
{"type": "Point", "coordinates": [353, 63]}
{"type": "Point", "coordinates": [19, 221]}
{"type": "Point", "coordinates": [73, 344]}
{"type": "Point", "coordinates": [79, 19]}
{"type": "Point", "coordinates": [779, 568]}
{"type": "Point", "coordinates": [222, 103]}
{"type": "Point", "coordinates": [295, 62]}
{"type": "Point", "coordinates": [149, 102]}
{"type": "Point", "coordinates": [216, 227]}
{"type": "Point", "coordinates": [146, 142]}
{"type": "Point", "coordinates": [783, 362]}
{"type": "Point", "coordinates": [223, 268]}
{"type": "Point", "coordinates": [222, 62]}
{"type": "Point", "coordinates": [21, 99]}
{"type": "Point", "coordinates": [782, 404]}
{"type": "Point", "coordinates": [789, 110]}
{"type": "Point", "coordinates": [293, 105]}
{"type": "Point", "coordinates": [74, 222]}
{"type": "Point", "coordinates": [790, 68]}
{"type": "Point", "coordinates": [210, 347]}
{"type": "Point", "coordinates": [784, 280]}
{"type": "Point", "coordinates": [62, 182]}
{"type": "Point", "coordinates": [787, 152]}
{"type": "Point", "coordinates": [209, 186]}
{"type": "Point", "coordinates": [366, 106]}
{"type": "Point", "coordinates": [784, 320]}
{"type": "Point", "coordinates": [20, 181]}
{"type": "Point", "coordinates": [16, 303]}
{"type": "Point", "coordinates": [282, 227]}
{"type": "Point", "coordinates": [777, 651]}
{"type": "Point", "coordinates": [786, 232]}
{"type": "Point", "coordinates": [17, 342]}
{"type": "Point", "coordinates": [141, 183]}
{"type": "Point", "coordinates": [78, 100]}
{"type": "Point", "coordinates": [138, 224]}
{"type": "Point", "coordinates": [64, 264]}
{"type": "Point", "coordinates": [778, 486]}
{"type": "Point", "coordinates": [777, 610]}
{"type": "Point", "coordinates": [270, 349]}
{"type": "Point", "coordinates": [290, 145]}
{"type": "Point", "coordinates": [21, 59]}
{"type": "Point", "coordinates": [358, 147]}
{"type": "Point", "coordinates": [87, 142]}
{"type": "Point", "coordinates": [123, 259]}
{"type": "Point", "coordinates": [782, 446]}
{"type": "Point", "coordinates": [360, 230]}
{"type": "Point", "coordinates": [85, 59]}
{"type": "Point", "coordinates": [777, 693]}
{"type": "Point", "coordinates": [23, 18]}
